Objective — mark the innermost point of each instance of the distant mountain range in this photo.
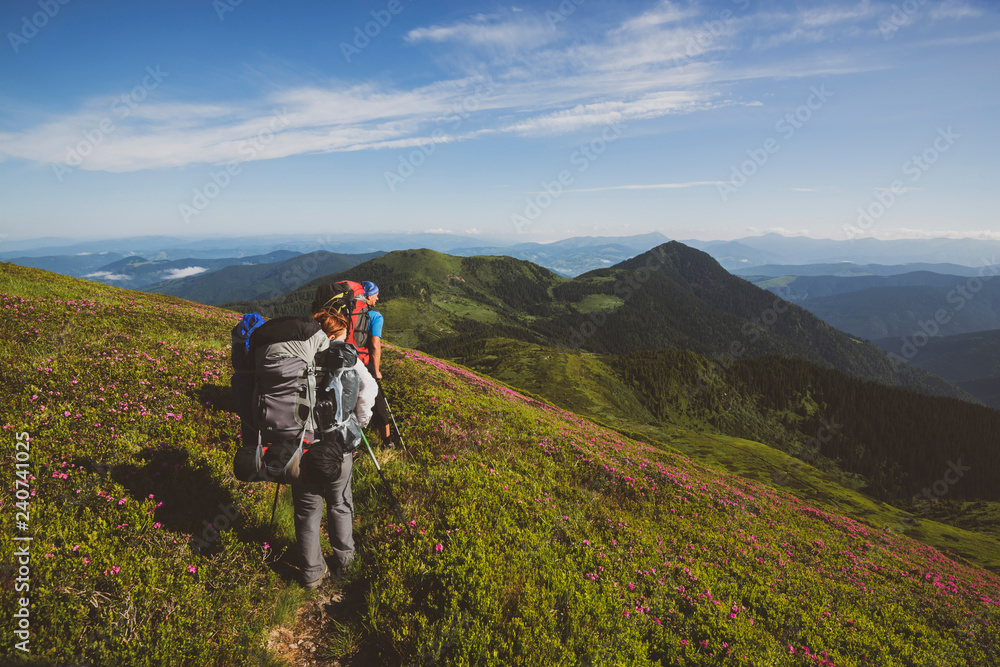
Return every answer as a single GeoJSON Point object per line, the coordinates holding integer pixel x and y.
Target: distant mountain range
{"type": "Point", "coordinates": [802, 288]}
{"type": "Point", "coordinates": [568, 257]}
{"type": "Point", "coordinates": [852, 270]}
{"type": "Point", "coordinates": [258, 281]}
{"type": "Point", "coordinates": [139, 272]}
{"type": "Point", "coordinates": [797, 250]}
{"type": "Point", "coordinates": [571, 257]}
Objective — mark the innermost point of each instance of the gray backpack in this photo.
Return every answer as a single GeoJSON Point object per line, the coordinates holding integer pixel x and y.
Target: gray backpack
{"type": "Point", "coordinates": [283, 402]}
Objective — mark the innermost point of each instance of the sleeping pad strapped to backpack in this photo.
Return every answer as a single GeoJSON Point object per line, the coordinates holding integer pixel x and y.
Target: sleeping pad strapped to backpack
{"type": "Point", "coordinates": [302, 385]}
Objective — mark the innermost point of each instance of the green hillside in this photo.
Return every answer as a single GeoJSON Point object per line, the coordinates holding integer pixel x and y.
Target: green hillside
{"type": "Point", "coordinates": [671, 297]}
{"type": "Point", "coordinates": [788, 405]}
{"type": "Point", "coordinates": [531, 535]}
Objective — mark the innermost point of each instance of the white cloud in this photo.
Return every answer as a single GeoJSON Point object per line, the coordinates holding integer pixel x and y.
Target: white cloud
{"type": "Point", "coordinates": [544, 81]}
{"type": "Point", "coordinates": [954, 9]}
{"type": "Point", "coordinates": [963, 40]}
{"type": "Point", "coordinates": [653, 186]}
{"type": "Point", "coordinates": [174, 274]}
{"type": "Point", "coordinates": [832, 15]}
{"type": "Point", "coordinates": [815, 25]}
{"type": "Point", "coordinates": [664, 13]}
{"type": "Point", "coordinates": [107, 275]}
{"type": "Point", "coordinates": [492, 32]}
{"type": "Point", "coordinates": [787, 232]}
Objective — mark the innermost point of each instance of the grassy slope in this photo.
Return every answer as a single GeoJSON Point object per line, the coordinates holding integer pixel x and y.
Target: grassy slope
{"type": "Point", "coordinates": [585, 384]}
{"type": "Point", "coordinates": [123, 395]}
{"type": "Point", "coordinates": [532, 536]}
{"type": "Point", "coordinates": [537, 537]}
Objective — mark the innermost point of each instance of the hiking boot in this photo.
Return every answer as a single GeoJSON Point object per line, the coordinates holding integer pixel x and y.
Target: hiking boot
{"type": "Point", "coordinates": [315, 584]}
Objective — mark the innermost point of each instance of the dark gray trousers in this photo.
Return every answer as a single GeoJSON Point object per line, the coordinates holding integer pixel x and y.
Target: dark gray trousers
{"type": "Point", "coordinates": [308, 500]}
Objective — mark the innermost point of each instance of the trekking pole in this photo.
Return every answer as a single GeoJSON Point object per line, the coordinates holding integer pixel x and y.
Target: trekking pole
{"type": "Point", "coordinates": [393, 418]}
{"type": "Point", "coordinates": [396, 507]}
{"type": "Point", "coordinates": [275, 506]}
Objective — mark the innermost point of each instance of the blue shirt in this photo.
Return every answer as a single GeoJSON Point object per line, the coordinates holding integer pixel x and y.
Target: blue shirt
{"type": "Point", "coordinates": [375, 320]}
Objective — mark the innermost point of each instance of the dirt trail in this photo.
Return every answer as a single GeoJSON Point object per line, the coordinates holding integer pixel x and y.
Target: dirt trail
{"type": "Point", "coordinates": [304, 643]}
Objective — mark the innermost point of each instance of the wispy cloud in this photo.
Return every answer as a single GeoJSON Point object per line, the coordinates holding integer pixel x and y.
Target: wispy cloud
{"type": "Point", "coordinates": [174, 274]}
{"type": "Point", "coordinates": [493, 32]}
{"type": "Point", "coordinates": [649, 186]}
{"type": "Point", "coordinates": [107, 275]}
{"type": "Point", "coordinates": [543, 80]}
{"type": "Point", "coordinates": [663, 13]}
{"type": "Point", "coordinates": [955, 9]}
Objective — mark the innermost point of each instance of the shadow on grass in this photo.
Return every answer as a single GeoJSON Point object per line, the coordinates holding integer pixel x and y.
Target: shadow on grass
{"type": "Point", "coordinates": [190, 501]}
{"type": "Point", "coordinates": [216, 397]}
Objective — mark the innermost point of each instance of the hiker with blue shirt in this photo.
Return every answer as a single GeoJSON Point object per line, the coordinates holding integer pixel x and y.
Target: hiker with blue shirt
{"type": "Point", "coordinates": [374, 346]}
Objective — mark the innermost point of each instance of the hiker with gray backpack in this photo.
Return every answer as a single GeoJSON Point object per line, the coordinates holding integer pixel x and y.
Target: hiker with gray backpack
{"type": "Point", "coordinates": [303, 398]}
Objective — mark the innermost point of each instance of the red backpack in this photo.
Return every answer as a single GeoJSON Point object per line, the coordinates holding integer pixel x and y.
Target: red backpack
{"type": "Point", "coordinates": [348, 298]}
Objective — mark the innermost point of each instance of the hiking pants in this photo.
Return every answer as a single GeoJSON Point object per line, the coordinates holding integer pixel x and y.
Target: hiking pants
{"type": "Point", "coordinates": [308, 500]}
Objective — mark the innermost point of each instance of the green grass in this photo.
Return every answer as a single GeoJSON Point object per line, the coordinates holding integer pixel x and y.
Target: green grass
{"type": "Point", "coordinates": [531, 535]}
{"type": "Point", "coordinates": [594, 302]}
{"type": "Point", "coordinates": [534, 537]}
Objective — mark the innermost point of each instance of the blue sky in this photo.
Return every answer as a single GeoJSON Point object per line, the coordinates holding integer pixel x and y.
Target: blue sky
{"type": "Point", "coordinates": [531, 121]}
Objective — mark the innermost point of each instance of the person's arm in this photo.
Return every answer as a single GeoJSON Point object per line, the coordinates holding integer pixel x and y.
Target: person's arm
{"type": "Point", "coordinates": [376, 350]}
{"type": "Point", "coordinates": [367, 391]}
